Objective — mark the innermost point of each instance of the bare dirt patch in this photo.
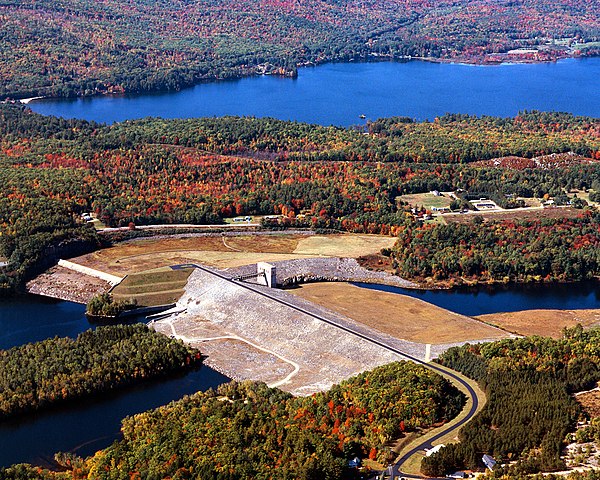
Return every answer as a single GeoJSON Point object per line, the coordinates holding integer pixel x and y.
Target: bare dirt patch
{"type": "Point", "coordinates": [65, 284]}
{"type": "Point", "coordinates": [398, 315]}
{"type": "Point", "coordinates": [547, 323]}
{"type": "Point", "coordinates": [590, 401]}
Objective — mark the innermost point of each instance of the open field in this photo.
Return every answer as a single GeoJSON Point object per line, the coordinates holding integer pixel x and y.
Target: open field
{"type": "Point", "coordinates": [397, 315]}
{"type": "Point", "coordinates": [548, 323]}
{"type": "Point", "coordinates": [516, 214]}
{"type": "Point", "coordinates": [152, 288]}
{"type": "Point", "coordinates": [227, 251]}
{"type": "Point", "coordinates": [426, 200]}
{"type": "Point", "coordinates": [352, 246]}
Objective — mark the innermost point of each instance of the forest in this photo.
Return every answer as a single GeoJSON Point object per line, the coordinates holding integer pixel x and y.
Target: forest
{"type": "Point", "coordinates": [201, 171]}
{"type": "Point", "coordinates": [249, 431]}
{"type": "Point", "coordinates": [528, 383]}
{"type": "Point", "coordinates": [503, 251]}
{"type": "Point", "coordinates": [83, 47]}
{"type": "Point", "coordinates": [42, 374]}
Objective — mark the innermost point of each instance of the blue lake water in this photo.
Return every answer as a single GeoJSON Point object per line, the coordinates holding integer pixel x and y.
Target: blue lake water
{"type": "Point", "coordinates": [31, 318]}
{"type": "Point", "coordinates": [87, 425]}
{"type": "Point", "coordinates": [510, 298]}
{"type": "Point", "coordinates": [336, 94]}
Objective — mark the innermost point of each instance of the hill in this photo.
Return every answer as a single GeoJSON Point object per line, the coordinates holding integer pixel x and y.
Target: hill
{"type": "Point", "coordinates": [84, 47]}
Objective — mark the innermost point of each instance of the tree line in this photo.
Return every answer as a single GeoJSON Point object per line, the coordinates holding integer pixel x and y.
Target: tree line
{"type": "Point", "coordinates": [529, 410]}
{"type": "Point", "coordinates": [37, 375]}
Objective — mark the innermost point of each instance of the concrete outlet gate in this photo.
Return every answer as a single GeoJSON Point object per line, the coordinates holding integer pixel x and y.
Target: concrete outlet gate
{"type": "Point", "coordinates": [266, 274]}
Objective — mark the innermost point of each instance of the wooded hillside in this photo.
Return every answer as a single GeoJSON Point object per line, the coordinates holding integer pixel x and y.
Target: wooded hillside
{"type": "Point", "coordinates": [249, 431]}
{"type": "Point", "coordinates": [83, 47]}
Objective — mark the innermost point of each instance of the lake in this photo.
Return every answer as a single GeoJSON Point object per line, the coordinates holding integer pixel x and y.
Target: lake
{"type": "Point", "coordinates": [86, 425]}
{"type": "Point", "coordinates": [336, 94]}
{"type": "Point", "coordinates": [506, 298]}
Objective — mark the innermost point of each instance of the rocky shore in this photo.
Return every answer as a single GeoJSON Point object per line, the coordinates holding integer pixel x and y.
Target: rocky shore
{"type": "Point", "coordinates": [65, 284]}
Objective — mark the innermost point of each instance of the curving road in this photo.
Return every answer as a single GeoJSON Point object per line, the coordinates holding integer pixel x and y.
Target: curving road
{"type": "Point", "coordinates": [445, 372]}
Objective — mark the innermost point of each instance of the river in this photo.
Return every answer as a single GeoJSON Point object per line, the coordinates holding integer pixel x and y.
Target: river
{"type": "Point", "coordinates": [87, 425]}
{"type": "Point", "coordinates": [337, 94]}
{"type": "Point", "coordinates": [506, 298]}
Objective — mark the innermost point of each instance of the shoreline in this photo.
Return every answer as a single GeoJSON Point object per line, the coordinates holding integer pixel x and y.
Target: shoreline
{"type": "Point", "coordinates": [474, 62]}
{"type": "Point", "coordinates": [27, 101]}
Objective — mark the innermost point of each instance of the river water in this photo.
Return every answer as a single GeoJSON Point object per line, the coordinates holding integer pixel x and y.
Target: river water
{"type": "Point", "coordinates": [87, 425]}
{"type": "Point", "coordinates": [337, 94]}
{"type": "Point", "coordinates": [510, 298]}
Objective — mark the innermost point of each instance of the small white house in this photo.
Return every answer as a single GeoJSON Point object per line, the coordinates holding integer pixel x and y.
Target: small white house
{"type": "Point", "coordinates": [488, 461]}
{"type": "Point", "coordinates": [431, 451]}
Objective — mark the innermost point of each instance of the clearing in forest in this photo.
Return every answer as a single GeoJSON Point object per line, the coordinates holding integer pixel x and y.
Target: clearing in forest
{"type": "Point", "coordinates": [427, 200]}
{"type": "Point", "coordinates": [548, 323]}
{"type": "Point", "coordinates": [225, 251]}
{"type": "Point", "coordinates": [401, 316]}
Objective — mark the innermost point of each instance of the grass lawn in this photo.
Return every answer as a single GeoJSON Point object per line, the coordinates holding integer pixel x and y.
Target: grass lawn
{"type": "Point", "coordinates": [426, 200]}
{"type": "Point", "coordinates": [152, 288]}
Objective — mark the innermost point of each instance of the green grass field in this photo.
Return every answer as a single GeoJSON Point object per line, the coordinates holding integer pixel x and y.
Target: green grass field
{"type": "Point", "coordinates": [154, 287]}
{"type": "Point", "coordinates": [426, 200]}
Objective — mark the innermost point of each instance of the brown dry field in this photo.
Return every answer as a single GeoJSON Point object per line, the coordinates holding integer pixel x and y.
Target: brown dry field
{"type": "Point", "coordinates": [397, 315]}
{"type": "Point", "coordinates": [548, 323]}
{"type": "Point", "coordinates": [556, 212]}
{"type": "Point", "coordinates": [590, 401]}
{"type": "Point", "coordinates": [229, 251]}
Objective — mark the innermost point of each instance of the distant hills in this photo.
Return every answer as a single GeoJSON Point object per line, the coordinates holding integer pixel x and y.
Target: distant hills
{"type": "Point", "coordinates": [84, 47]}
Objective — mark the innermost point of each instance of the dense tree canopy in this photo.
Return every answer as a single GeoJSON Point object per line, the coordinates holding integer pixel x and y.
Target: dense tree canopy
{"type": "Point", "coordinates": [37, 375]}
{"type": "Point", "coordinates": [203, 170]}
{"type": "Point", "coordinates": [249, 431]}
{"type": "Point", "coordinates": [83, 47]}
{"type": "Point", "coordinates": [529, 410]}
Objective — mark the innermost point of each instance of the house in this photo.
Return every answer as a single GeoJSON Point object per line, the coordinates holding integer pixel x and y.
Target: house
{"type": "Point", "coordinates": [488, 461]}
{"type": "Point", "coordinates": [441, 209]}
{"type": "Point", "coordinates": [433, 450]}
{"type": "Point", "coordinates": [457, 475]}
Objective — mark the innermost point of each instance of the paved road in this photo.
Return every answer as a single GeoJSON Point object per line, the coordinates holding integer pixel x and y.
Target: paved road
{"type": "Point", "coordinates": [445, 372]}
